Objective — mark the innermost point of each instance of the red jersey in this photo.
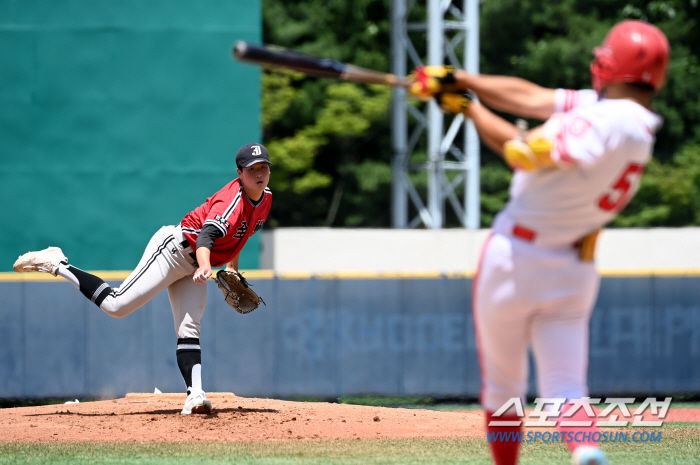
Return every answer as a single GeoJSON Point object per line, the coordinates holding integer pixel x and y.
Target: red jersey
{"type": "Point", "coordinates": [234, 214]}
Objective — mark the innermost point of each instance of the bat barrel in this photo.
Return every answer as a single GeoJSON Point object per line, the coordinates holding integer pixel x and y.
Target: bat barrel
{"type": "Point", "coordinates": [308, 64]}
{"type": "Point", "coordinates": [311, 65]}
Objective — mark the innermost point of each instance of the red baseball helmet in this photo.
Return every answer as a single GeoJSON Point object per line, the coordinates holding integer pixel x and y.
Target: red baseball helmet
{"type": "Point", "coordinates": [633, 51]}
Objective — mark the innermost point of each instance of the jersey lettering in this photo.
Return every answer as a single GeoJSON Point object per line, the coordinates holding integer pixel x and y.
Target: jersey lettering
{"type": "Point", "coordinates": [618, 195]}
{"type": "Point", "coordinates": [258, 226]}
{"type": "Point", "coordinates": [241, 230]}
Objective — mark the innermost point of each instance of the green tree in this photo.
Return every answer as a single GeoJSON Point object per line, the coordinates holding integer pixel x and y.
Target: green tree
{"type": "Point", "coordinates": [331, 140]}
{"type": "Point", "coordinates": [315, 166]}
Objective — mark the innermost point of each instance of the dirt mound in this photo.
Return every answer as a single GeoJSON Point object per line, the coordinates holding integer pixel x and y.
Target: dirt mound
{"type": "Point", "coordinates": [156, 417]}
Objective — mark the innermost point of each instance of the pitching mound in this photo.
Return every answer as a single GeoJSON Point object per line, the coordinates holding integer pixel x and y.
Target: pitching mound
{"type": "Point", "coordinates": [156, 417]}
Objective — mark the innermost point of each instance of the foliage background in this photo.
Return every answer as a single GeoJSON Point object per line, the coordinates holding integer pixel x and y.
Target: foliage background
{"type": "Point", "coordinates": [331, 140]}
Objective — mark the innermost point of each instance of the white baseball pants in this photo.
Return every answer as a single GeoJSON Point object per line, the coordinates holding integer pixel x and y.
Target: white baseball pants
{"type": "Point", "coordinates": [526, 296]}
{"type": "Point", "coordinates": [165, 265]}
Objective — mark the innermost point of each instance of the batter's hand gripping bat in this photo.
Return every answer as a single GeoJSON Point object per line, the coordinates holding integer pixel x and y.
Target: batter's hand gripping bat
{"type": "Point", "coordinates": [312, 65]}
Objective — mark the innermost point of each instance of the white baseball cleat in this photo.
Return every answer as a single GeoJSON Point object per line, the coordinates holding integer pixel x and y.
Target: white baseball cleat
{"type": "Point", "coordinates": [196, 403]}
{"type": "Point", "coordinates": [587, 455]}
{"type": "Point", "coordinates": [46, 260]}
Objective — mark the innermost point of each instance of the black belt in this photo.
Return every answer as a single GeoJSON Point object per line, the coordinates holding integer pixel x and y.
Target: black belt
{"type": "Point", "coordinates": [186, 245]}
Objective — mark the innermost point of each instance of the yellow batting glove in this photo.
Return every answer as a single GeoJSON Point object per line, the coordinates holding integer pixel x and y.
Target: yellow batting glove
{"type": "Point", "coordinates": [519, 155]}
{"type": "Point", "coordinates": [528, 157]}
{"type": "Point", "coordinates": [542, 148]}
{"type": "Point", "coordinates": [451, 102]}
{"type": "Point", "coordinates": [430, 80]}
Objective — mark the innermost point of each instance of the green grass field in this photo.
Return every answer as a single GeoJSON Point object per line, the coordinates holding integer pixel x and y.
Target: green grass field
{"type": "Point", "coordinates": [680, 444]}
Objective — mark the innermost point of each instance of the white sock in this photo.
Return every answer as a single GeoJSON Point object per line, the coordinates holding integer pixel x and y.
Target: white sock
{"type": "Point", "coordinates": [64, 272]}
{"type": "Point", "coordinates": [197, 378]}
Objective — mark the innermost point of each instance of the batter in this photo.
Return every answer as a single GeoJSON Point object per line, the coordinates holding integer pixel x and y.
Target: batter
{"type": "Point", "coordinates": [180, 259]}
{"type": "Point", "coordinates": [536, 283]}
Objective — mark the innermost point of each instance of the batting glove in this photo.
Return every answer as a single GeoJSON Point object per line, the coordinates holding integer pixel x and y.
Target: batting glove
{"type": "Point", "coordinates": [452, 102]}
{"type": "Point", "coordinates": [430, 80]}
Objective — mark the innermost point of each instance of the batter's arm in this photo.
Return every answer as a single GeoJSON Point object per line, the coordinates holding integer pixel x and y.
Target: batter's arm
{"type": "Point", "coordinates": [509, 94]}
{"type": "Point", "coordinates": [493, 130]}
{"type": "Point", "coordinates": [521, 150]}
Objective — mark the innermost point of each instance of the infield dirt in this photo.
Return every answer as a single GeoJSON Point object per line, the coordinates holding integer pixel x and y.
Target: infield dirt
{"type": "Point", "coordinates": [156, 418]}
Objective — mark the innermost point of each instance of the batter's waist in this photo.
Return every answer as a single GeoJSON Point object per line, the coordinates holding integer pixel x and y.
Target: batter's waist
{"type": "Point", "coordinates": [585, 245]}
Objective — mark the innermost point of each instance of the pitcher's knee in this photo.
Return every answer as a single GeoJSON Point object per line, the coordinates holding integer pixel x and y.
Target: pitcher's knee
{"type": "Point", "coordinates": [111, 308]}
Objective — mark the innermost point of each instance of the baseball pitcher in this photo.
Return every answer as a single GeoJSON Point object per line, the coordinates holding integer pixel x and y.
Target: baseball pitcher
{"type": "Point", "coordinates": [180, 259]}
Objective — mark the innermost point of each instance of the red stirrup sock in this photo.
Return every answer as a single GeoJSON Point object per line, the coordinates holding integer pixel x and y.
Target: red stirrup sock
{"type": "Point", "coordinates": [504, 441]}
{"type": "Point", "coordinates": [577, 436]}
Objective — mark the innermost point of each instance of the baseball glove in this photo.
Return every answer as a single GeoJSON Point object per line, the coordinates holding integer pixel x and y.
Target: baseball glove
{"type": "Point", "coordinates": [237, 291]}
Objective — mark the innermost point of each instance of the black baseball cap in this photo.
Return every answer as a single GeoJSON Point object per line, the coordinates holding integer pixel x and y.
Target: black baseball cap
{"type": "Point", "coordinates": [250, 154]}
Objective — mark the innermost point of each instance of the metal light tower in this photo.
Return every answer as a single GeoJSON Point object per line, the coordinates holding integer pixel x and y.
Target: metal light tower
{"type": "Point", "coordinates": [431, 166]}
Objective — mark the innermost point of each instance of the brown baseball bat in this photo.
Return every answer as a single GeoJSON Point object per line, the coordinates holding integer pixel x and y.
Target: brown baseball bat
{"type": "Point", "coordinates": [312, 65]}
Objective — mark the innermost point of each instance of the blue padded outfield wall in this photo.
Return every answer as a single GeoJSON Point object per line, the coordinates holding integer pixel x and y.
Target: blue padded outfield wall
{"type": "Point", "coordinates": [119, 117]}
{"type": "Point", "coordinates": [329, 337]}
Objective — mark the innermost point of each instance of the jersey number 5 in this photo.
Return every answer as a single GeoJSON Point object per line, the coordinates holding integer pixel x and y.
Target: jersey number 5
{"type": "Point", "coordinates": [618, 195]}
